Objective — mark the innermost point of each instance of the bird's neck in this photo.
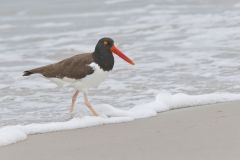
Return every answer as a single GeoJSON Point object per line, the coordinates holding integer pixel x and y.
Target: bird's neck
{"type": "Point", "coordinates": [104, 59]}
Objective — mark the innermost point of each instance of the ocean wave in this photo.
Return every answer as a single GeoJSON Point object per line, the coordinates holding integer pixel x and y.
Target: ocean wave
{"type": "Point", "coordinates": [52, 25]}
{"type": "Point", "coordinates": [6, 26]}
{"type": "Point", "coordinates": [109, 114]}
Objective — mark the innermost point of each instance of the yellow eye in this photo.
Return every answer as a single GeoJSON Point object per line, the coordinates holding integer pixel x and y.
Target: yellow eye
{"type": "Point", "coordinates": [105, 43]}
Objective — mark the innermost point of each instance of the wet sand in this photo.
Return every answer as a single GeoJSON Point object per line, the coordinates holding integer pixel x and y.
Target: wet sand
{"type": "Point", "coordinates": [210, 132]}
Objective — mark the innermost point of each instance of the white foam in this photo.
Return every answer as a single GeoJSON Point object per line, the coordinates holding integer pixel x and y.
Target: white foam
{"type": "Point", "coordinates": [11, 134]}
{"type": "Point", "coordinates": [109, 114]}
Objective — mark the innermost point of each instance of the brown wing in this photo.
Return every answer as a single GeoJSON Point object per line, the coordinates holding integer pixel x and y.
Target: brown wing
{"type": "Point", "coordinates": [75, 67]}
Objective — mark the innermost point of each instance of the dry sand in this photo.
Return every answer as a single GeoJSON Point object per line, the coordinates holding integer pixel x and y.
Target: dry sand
{"type": "Point", "coordinates": [209, 132]}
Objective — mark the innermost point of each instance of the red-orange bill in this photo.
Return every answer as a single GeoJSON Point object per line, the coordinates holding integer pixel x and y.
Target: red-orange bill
{"type": "Point", "coordinates": [121, 54]}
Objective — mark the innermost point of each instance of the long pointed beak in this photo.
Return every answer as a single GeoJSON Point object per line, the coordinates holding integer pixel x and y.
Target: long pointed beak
{"type": "Point", "coordinates": [121, 54]}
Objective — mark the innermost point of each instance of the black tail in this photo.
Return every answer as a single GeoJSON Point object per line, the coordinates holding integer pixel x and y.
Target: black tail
{"type": "Point", "coordinates": [27, 73]}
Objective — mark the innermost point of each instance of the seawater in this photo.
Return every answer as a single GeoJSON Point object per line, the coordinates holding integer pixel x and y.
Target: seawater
{"type": "Point", "coordinates": [189, 47]}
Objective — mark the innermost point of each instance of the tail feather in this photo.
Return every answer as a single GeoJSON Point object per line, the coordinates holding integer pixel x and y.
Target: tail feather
{"type": "Point", "coordinates": [33, 71]}
{"type": "Point", "coordinates": [27, 73]}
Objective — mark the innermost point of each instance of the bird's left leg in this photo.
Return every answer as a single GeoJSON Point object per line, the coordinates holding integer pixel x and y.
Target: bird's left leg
{"type": "Point", "coordinates": [88, 104]}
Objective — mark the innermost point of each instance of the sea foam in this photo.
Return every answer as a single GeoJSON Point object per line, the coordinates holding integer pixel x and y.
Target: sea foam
{"type": "Point", "coordinates": [110, 114]}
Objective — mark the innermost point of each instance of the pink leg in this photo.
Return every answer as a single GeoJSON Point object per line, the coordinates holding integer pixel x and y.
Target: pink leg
{"type": "Point", "coordinates": [74, 99]}
{"type": "Point", "coordinates": [88, 104]}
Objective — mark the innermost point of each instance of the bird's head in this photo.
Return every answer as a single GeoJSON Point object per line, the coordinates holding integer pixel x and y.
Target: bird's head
{"type": "Point", "coordinates": [106, 45]}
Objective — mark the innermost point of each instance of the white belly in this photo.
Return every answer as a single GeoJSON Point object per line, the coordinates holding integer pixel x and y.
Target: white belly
{"type": "Point", "coordinates": [92, 80]}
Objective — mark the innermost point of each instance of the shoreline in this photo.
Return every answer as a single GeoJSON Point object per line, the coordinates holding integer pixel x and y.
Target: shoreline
{"type": "Point", "coordinates": [205, 132]}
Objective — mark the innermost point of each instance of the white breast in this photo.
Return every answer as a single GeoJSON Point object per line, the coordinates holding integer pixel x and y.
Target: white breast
{"type": "Point", "coordinates": [92, 80]}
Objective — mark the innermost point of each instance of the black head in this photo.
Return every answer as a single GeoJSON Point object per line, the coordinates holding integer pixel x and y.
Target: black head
{"type": "Point", "coordinates": [104, 44]}
{"type": "Point", "coordinates": [103, 55]}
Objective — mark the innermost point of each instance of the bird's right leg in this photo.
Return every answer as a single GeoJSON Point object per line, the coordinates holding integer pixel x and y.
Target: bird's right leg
{"type": "Point", "coordinates": [88, 104]}
{"type": "Point", "coordinates": [74, 99]}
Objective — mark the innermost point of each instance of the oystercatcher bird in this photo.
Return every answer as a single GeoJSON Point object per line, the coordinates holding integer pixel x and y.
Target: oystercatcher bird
{"type": "Point", "coordinates": [83, 71]}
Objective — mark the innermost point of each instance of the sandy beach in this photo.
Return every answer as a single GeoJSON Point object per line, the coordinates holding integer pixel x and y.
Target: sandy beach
{"type": "Point", "coordinates": [208, 132]}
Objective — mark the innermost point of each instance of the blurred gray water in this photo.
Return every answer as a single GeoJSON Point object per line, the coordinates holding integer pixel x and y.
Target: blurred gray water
{"type": "Point", "coordinates": [179, 46]}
